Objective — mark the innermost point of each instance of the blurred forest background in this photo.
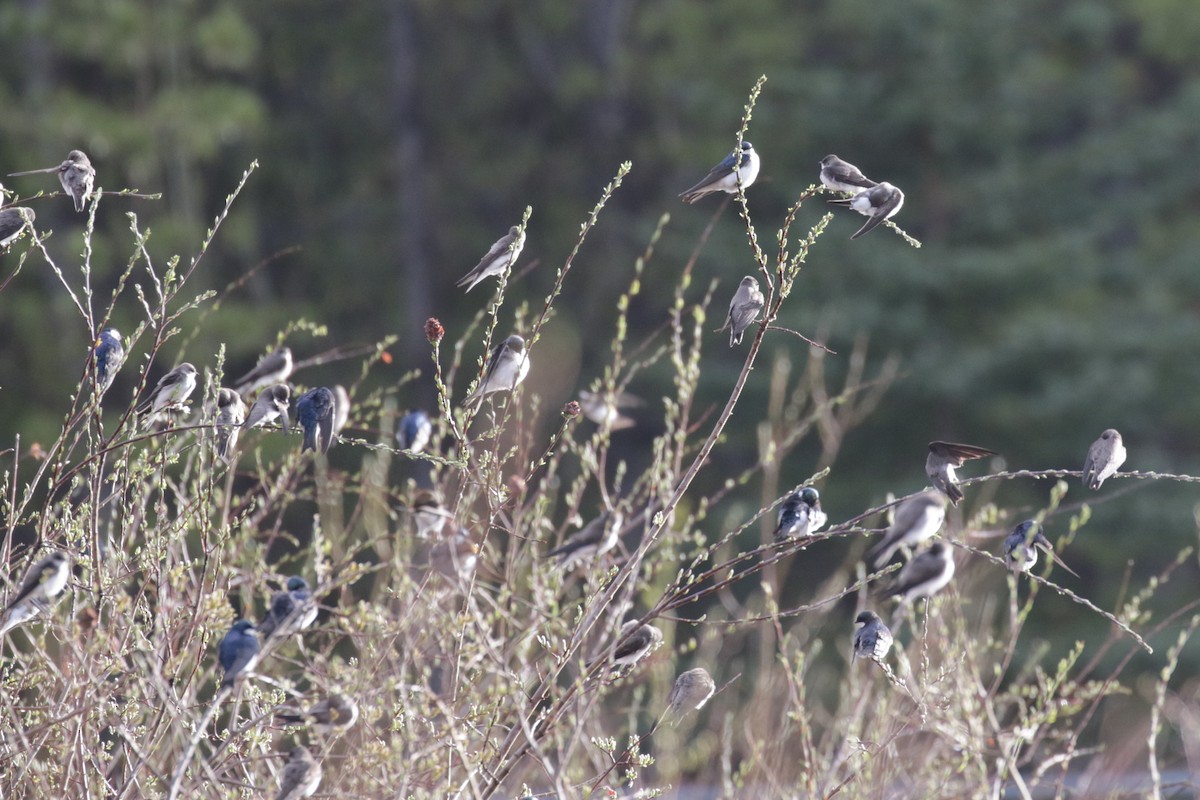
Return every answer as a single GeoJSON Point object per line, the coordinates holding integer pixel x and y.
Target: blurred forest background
{"type": "Point", "coordinates": [1049, 150]}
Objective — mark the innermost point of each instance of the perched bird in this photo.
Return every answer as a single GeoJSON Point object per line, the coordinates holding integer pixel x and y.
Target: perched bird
{"type": "Point", "coordinates": [275, 367]}
{"type": "Point", "coordinates": [231, 413]}
{"type": "Point", "coordinates": [335, 713]}
{"type": "Point", "coordinates": [634, 642]}
{"type": "Point", "coordinates": [108, 354]}
{"type": "Point", "coordinates": [872, 639]}
{"type": "Point", "coordinates": [172, 391]}
{"type": "Point", "coordinates": [722, 177]}
{"type": "Point", "coordinates": [1021, 546]}
{"type": "Point", "coordinates": [880, 202]}
{"type": "Point", "coordinates": [842, 176]}
{"type": "Point", "coordinates": [605, 409]}
{"type": "Point", "coordinates": [499, 257]}
{"type": "Point", "coordinates": [591, 541]}
{"type": "Point", "coordinates": [75, 174]}
{"type": "Point", "coordinates": [428, 513]}
{"type": "Point", "coordinates": [800, 515]}
{"type": "Point", "coordinates": [238, 651]}
{"type": "Point", "coordinates": [943, 459]}
{"type": "Point", "coordinates": [747, 301]}
{"type": "Point", "coordinates": [44, 582]}
{"type": "Point", "coordinates": [291, 610]}
{"type": "Point", "coordinates": [272, 404]}
{"type": "Point", "coordinates": [1104, 458]}
{"type": "Point", "coordinates": [692, 690]}
{"type": "Point", "coordinates": [314, 412]}
{"type": "Point", "coordinates": [506, 368]}
{"type": "Point", "coordinates": [925, 575]}
{"type": "Point", "coordinates": [341, 408]}
{"type": "Point", "coordinates": [300, 777]}
{"type": "Point", "coordinates": [916, 519]}
{"type": "Point", "coordinates": [13, 220]}
{"type": "Point", "coordinates": [455, 556]}
{"type": "Point", "coordinates": [414, 430]}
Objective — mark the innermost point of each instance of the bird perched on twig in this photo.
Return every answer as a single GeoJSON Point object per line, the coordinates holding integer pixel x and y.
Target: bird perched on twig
{"type": "Point", "coordinates": [943, 459]}
{"type": "Point", "coordinates": [926, 575]}
{"type": "Point", "coordinates": [291, 610]}
{"type": "Point", "coordinates": [747, 301]}
{"type": "Point", "coordinates": [591, 541]}
{"type": "Point", "coordinates": [238, 652]}
{"type": "Point", "coordinates": [414, 431]}
{"type": "Point", "coordinates": [314, 412]}
{"type": "Point", "coordinates": [335, 712]}
{"type": "Point", "coordinates": [1022, 545]}
{"type": "Point", "coordinates": [916, 519]}
{"type": "Point", "coordinates": [171, 392]}
{"type": "Point", "coordinates": [13, 220]}
{"type": "Point", "coordinates": [274, 367]}
{"type": "Point", "coordinates": [272, 404]}
{"type": "Point", "coordinates": [45, 581]}
{"type": "Point", "coordinates": [76, 175]}
{"type": "Point", "coordinates": [301, 776]}
{"type": "Point", "coordinates": [634, 642]}
{"type": "Point", "coordinates": [800, 515]}
{"type": "Point", "coordinates": [724, 178]}
{"type": "Point", "coordinates": [881, 202]}
{"type": "Point", "coordinates": [456, 555]}
{"type": "Point", "coordinates": [499, 257]}
{"type": "Point", "coordinates": [691, 691]}
{"type": "Point", "coordinates": [1104, 458]}
{"type": "Point", "coordinates": [231, 413]}
{"type": "Point", "coordinates": [842, 176]}
{"type": "Point", "coordinates": [872, 639]}
{"type": "Point", "coordinates": [108, 354]}
{"type": "Point", "coordinates": [506, 367]}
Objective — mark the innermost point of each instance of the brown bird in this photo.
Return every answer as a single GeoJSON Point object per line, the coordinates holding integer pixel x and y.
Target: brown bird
{"type": "Point", "coordinates": [944, 458]}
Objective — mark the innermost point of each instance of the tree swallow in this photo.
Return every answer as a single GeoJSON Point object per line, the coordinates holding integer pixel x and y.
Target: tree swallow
{"type": "Point", "coordinates": [692, 690]}
{"type": "Point", "coordinates": [272, 404]}
{"type": "Point", "coordinates": [605, 409]}
{"type": "Point", "coordinates": [943, 459]}
{"type": "Point", "coordinates": [925, 575]}
{"type": "Point", "coordinates": [455, 556]}
{"type": "Point", "coordinates": [291, 610]}
{"type": "Point", "coordinates": [238, 651]}
{"type": "Point", "coordinates": [591, 541]}
{"type": "Point", "coordinates": [231, 413]}
{"type": "Point", "coordinates": [872, 639]}
{"type": "Point", "coordinates": [843, 177]}
{"type": "Point", "coordinates": [747, 301]}
{"type": "Point", "coordinates": [108, 354]}
{"type": "Point", "coordinates": [881, 202]}
{"type": "Point", "coordinates": [1104, 458]}
{"type": "Point", "coordinates": [916, 519]}
{"type": "Point", "coordinates": [428, 513]}
{"type": "Point", "coordinates": [506, 368]}
{"type": "Point", "coordinates": [414, 430]}
{"type": "Point", "coordinates": [341, 408]}
{"type": "Point", "coordinates": [314, 412]}
{"type": "Point", "coordinates": [501, 255]}
{"type": "Point", "coordinates": [13, 220]}
{"type": "Point", "coordinates": [300, 777]}
{"type": "Point", "coordinates": [634, 643]}
{"type": "Point", "coordinates": [275, 367]}
{"type": "Point", "coordinates": [75, 174]}
{"type": "Point", "coordinates": [800, 515]}
{"type": "Point", "coordinates": [44, 582]}
{"type": "Point", "coordinates": [172, 391]}
{"type": "Point", "coordinates": [335, 713]}
{"type": "Point", "coordinates": [1021, 546]}
{"type": "Point", "coordinates": [722, 178]}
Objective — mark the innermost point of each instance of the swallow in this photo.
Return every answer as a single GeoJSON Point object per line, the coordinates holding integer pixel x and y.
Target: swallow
{"type": "Point", "coordinates": [502, 255]}
{"type": "Point", "coordinates": [274, 367]}
{"type": "Point", "coordinates": [172, 391]}
{"type": "Point", "coordinates": [455, 556]}
{"type": "Point", "coordinates": [414, 431]}
{"type": "Point", "coordinates": [926, 575]}
{"type": "Point", "coordinates": [605, 409]}
{"type": "Point", "coordinates": [45, 581]}
{"type": "Point", "coordinates": [238, 651]}
{"type": "Point", "coordinates": [13, 220]}
{"type": "Point", "coordinates": [314, 412]}
{"type": "Point", "coordinates": [231, 414]}
{"type": "Point", "coordinates": [800, 515]}
{"type": "Point", "coordinates": [634, 642]}
{"type": "Point", "coordinates": [943, 459]}
{"type": "Point", "coordinates": [272, 404]}
{"type": "Point", "coordinates": [75, 174]}
{"type": "Point", "coordinates": [872, 639]}
{"type": "Point", "coordinates": [291, 610]}
{"type": "Point", "coordinates": [842, 176]}
{"type": "Point", "coordinates": [506, 368]}
{"type": "Point", "coordinates": [915, 520]}
{"type": "Point", "coordinates": [880, 202]}
{"type": "Point", "coordinates": [691, 691]}
{"type": "Point", "coordinates": [335, 713]}
{"type": "Point", "coordinates": [108, 354]}
{"type": "Point", "coordinates": [1104, 458]}
{"type": "Point", "coordinates": [341, 408]}
{"type": "Point", "coordinates": [722, 177]}
{"type": "Point", "coordinates": [591, 541]}
{"type": "Point", "coordinates": [428, 513]}
{"type": "Point", "coordinates": [1020, 548]}
{"type": "Point", "coordinates": [301, 776]}
{"type": "Point", "coordinates": [747, 301]}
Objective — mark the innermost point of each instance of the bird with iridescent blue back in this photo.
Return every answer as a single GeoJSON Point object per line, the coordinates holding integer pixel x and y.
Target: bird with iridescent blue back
{"type": "Point", "coordinates": [872, 639]}
{"type": "Point", "coordinates": [800, 515]}
{"type": "Point", "coordinates": [880, 203]}
{"type": "Point", "coordinates": [238, 651]}
{"type": "Point", "coordinates": [314, 412]}
{"type": "Point", "coordinates": [291, 610]}
{"type": "Point", "coordinates": [724, 178]}
{"type": "Point", "coordinates": [414, 430]}
{"type": "Point", "coordinates": [1022, 545]}
{"type": "Point", "coordinates": [108, 354]}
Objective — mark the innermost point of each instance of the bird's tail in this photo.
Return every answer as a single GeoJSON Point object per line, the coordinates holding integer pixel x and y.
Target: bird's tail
{"type": "Point", "coordinates": [954, 493]}
{"type": "Point", "coordinates": [310, 439]}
